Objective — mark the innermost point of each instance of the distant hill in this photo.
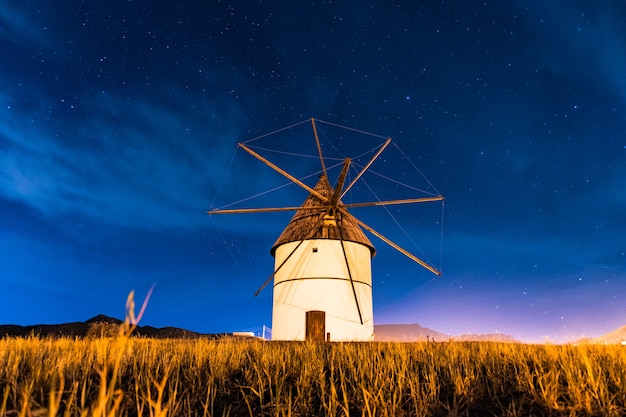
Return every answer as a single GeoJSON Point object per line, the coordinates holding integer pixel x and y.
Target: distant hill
{"type": "Point", "coordinates": [94, 324]}
{"type": "Point", "coordinates": [406, 333]}
{"type": "Point", "coordinates": [617, 336]}
{"type": "Point", "coordinates": [417, 333]}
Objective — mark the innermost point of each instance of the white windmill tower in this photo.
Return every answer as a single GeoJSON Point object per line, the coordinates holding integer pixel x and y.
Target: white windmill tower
{"type": "Point", "coordinates": [322, 274]}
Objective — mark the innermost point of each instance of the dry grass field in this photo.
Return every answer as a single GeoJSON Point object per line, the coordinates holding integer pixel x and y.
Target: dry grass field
{"type": "Point", "coordinates": [128, 376]}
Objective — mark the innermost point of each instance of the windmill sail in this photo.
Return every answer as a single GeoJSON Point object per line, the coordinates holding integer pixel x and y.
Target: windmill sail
{"type": "Point", "coordinates": [323, 257]}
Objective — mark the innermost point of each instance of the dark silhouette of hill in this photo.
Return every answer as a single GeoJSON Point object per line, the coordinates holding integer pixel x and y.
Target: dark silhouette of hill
{"type": "Point", "coordinates": [102, 324]}
{"type": "Point", "coordinates": [93, 326]}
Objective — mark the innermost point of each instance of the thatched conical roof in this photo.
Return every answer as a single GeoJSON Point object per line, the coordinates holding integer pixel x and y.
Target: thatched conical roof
{"type": "Point", "coordinates": [307, 218]}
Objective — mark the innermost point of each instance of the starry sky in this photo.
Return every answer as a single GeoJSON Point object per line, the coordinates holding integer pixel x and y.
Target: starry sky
{"type": "Point", "coordinates": [119, 124]}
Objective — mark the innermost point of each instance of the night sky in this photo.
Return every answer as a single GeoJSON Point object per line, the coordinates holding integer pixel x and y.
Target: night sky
{"type": "Point", "coordinates": [119, 124]}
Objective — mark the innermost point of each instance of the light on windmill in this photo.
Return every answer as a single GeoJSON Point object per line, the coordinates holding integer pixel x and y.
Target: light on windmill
{"type": "Point", "coordinates": [330, 220]}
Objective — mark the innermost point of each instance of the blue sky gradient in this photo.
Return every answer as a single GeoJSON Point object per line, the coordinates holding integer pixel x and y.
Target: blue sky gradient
{"type": "Point", "coordinates": [119, 124]}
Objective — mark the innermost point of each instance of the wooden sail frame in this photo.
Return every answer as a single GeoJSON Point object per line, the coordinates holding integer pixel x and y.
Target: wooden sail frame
{"type": "Point", "coordinates": [333, 205]}
{"type": "Point", "coordinates": [348, 206]}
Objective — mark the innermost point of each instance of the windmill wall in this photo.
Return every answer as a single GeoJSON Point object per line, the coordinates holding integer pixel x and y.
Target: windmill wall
{"type": "Point", "coordinates": [316, 277]}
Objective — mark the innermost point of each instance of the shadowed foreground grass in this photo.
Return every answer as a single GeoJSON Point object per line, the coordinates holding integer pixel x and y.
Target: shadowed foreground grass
{"type": "Point", "coordinates": [120, 376]}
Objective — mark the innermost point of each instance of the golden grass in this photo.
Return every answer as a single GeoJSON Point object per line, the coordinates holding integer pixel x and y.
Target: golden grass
{"type": "Point", "coordinates": [126, 376]}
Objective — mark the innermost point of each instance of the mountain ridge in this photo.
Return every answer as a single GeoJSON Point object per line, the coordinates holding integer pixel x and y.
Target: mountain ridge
{"type": "Point", "coordinates": [617, 336]}
{"type": "Point", "coordinates": [382, 332]}
{"type": "Point", "coordinates": [102, 324]}
{"type": "Point", "coordinates": [96, 325]}
{"type": "Point", "coordinates": [416, 333]}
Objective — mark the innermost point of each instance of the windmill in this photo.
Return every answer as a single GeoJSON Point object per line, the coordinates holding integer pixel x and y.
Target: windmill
{"type": "Point", "coordinates": [322, 259]}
